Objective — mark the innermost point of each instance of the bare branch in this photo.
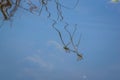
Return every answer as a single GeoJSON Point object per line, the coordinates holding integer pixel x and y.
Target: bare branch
{"type": "Point", "coordinates": [59, 11]}
{"type": "Point", "coordinates": [4, 6]}
{"type": "Point", "coordinates": [75, 47]}
{"type": "Point", "coordinates": [44, 3]}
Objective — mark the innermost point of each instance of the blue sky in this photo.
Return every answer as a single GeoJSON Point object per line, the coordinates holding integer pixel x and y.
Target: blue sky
{"type": "Point", "coordinates": [31, 49]}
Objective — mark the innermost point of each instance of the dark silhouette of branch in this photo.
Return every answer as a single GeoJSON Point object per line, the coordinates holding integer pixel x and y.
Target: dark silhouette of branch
{"type": "Point", "coordinates": [4, 6]}
{"type": "Point", "coordinates": [44, 3]}
{"type": "Point", "coordinates": [75, 46]}
{"type": "Point", "coordinates": [66, 46]}
{"type": "Point", "coordinates": [71, 46]}
{"type": "Point", "coordinates": [59, 11]}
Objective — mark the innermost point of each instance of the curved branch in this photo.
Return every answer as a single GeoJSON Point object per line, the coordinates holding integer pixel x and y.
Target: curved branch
{"type": "Point", "coordinates": [53, 25]}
